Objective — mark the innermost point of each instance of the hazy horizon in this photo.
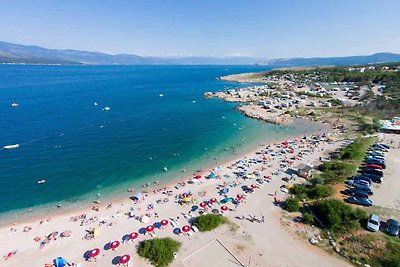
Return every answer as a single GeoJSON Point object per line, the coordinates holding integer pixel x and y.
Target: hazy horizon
{"type": "Point", "coordinates": [258, 29]}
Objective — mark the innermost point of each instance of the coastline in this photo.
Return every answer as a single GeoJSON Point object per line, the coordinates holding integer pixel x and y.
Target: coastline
{"type": "Point", "coordinates": [81, 206]}
{"type": "Point", "coordinates": [116, 216]}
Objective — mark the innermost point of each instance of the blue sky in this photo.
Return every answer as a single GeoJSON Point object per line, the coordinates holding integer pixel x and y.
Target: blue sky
{"type": "Point", "coordinates": [268, 29]}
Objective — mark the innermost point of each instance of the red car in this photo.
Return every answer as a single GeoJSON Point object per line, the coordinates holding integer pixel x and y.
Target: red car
{"type": "Point", "coordinates": [373, 166]}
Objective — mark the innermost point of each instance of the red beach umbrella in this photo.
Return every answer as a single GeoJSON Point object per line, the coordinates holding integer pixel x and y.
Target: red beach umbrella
{"type": "Point", "coordinates": [203, 204]}
{"type": "Point", "coordinates": [239, 196]}
{"type": "Point", "coordinates": [186, 228]}
{"type": "Point", "coordinates": [198, 176]}
{"type": "Point", "coordinates": [150, 228]}
{"type": "Point", "coordinates": [213, 200]}
{"type": "Point", "coordinates": [114, 244]}
{"type": "Point", "coordinates": [133, 235]}
{"type": "Point", "coordinates": [164, 223]}
{"type": "Point", "coordinates": [254, 186]}
{"type": "Point", "coordinates": [224, 208]}
{"type": "Point", "coordinates": [94, 253]}
{"type": "Point", "coordinates": [124, 259]}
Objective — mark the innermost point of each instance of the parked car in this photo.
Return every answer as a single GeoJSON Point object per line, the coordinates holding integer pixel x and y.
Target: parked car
{"type": "Point", "coordinates": [373, 156]}
{"type": "Point", "coordinates": [352, 191]}
{"type": "Point", "coordinates": [384, 145]}
{"type": "Point", "coordinates": [375, 153]}
{"type": "Point", "coordinates": [361, 177]}
{"type": "Point", "coordinates": [372, 171]}
{"type": "Point", "coordinates": [358, 182]}
{"type": "Point", "coordinates": [373, 166]}
{"type": "Point", "coordinates": [374, 178]}
{"type": "Point", "coordinates": [392, 227]}
{"type": "Point", "coordinates": [373, 223]}
{"type": "Point", "coordinates": [359, 201]}
{"type": "Point", "coordinates": [362, 187]}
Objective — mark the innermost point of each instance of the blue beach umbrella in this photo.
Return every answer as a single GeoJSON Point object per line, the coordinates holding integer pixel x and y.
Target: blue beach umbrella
{"type": "Point", "coordinates": [59, 262]}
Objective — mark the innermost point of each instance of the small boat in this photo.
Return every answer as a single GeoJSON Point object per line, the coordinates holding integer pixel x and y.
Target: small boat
{"type": "Point", "coordinates": [15, 104]}
{"type": "Point", "coordinates": [95, 103]}
{"type": "Point", "coordinates": [194, 101]}
{"type": "Point", "coordinates": [41, 181]}
{"type": "Point", "coordinates": [11, 146]}
{"type": "Point", "coordinates": [165, 169]}
{"type": "Point", "coordinates": [106, 108]}
{"type": "Point", "coordinates": [161, 95]}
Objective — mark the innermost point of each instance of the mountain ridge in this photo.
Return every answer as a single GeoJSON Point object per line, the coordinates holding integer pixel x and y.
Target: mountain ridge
{"type": "Point", "coordinates": [31, 54]}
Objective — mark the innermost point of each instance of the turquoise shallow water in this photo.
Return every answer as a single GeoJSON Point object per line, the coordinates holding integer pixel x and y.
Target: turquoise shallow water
{"type": "Point", "coordinates": [80, 149]}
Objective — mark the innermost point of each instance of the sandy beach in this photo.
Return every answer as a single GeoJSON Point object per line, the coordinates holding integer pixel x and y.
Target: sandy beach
{"type": "Point", "coordinates": [39, 242]}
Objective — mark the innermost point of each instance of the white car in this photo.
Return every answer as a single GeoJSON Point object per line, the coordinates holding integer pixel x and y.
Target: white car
{"type": "Point", "coordinates": [373, 223]}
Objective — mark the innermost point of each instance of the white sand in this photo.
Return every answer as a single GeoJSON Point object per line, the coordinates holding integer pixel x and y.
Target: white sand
{"type": "Point", "coordinates": [264, 244]}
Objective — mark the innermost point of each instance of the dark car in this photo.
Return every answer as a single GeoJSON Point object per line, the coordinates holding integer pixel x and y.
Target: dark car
{"type": "Point", "coordinates": [359, 201]}
{"type": "Point", "coordinates": [374, 178]}
{"type": "Point", "coordinates": [352, 191]}
{"type": "Point", "coordinates": [362, 177]}
{"type": "Point", "coordinates": [372, 171]}
{"type": "Point", "coordinates": [392, 227]}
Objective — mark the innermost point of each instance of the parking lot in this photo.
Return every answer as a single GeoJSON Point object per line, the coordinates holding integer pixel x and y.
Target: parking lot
{"type": "Point", "coordinates": [387, 194]}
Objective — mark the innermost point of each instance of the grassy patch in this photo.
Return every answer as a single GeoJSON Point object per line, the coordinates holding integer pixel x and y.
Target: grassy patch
{"type": "Point", "coordinates": [338, 216]}
{"type": "Point", "coordinates": [307, 192]}
{"type": "Point", "coordinates": [336, 171]}
{"type": "Point", "coordinates": [159, 251]}
{"type": "Point", "coordinates": [208, 222]}
{"type": "Point", "coordinates": [356, 150]}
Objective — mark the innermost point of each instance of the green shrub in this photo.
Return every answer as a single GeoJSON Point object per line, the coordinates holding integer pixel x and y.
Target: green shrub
{"type": "Point", "coordinates": [338, 216]}
{"type": "Point", "coordinates": [303, 191]}
{"type": "Point", "coordinates": [317, 180]}
{"type": "Point", "coordinates": [208, 222]}
{"type": "Point", "coordinates": [308, 218]}
{"type": "Point", "coordinates": [320, 191]}
{"type": "Point", "coordinates": [159, 251]}
{"type": "Point", "coordinates": [291, 204]}
{"type": "Point", "coordinates": [336, 171]}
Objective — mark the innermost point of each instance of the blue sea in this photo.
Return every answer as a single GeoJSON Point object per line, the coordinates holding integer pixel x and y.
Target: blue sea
{"type": "Point", "coordinates": [158, 118]}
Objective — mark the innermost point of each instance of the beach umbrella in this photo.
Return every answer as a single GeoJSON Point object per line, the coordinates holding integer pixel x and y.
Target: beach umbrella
{"type": "Point", "coordinates": [53, 235]}
{"type": "Point", "coordinates": [150, 228]}
{"type": "Point", "coordinates": [133, 235]}
{"type": "Point", "coordinates": [144, 219]}
{"type": "Point", "coordinates": [114, 244]}
{"type": "Point", "coordinates": [215, 211]}
{"type": "Point", "coordinates": [213, 200]}
{"type": "Point", "coordinates": [96, 232]}
{"type": "Point", "coordinates": [224, 208]}
{"type": "Point", "coordinates": [187, 199]}
{"type": "Point", "coordinates": [239, 196]}
{"type": "Point", "coordinates": [197, 176]}
{"type": "Point", "coordinates": [186, 228]}
{"type": "Point", "coordinates": [124, 259]}
{"type": "Point", "coordinates": [194, 208]}
{"type": "Point", "coordinates": [66, 233]}
{"type": "Point", "coordinates": [203, 204]}
{"type": "Point", "coordinates": [59, 262]}
{"type": "Point", "coordinates": [177, 231]}
{"type": "Point", "coordinates": [94, 253]}
{"type": "Point", "coordinates": [164, 223]}
{"type": "Point", "coordinates": [254, 186]}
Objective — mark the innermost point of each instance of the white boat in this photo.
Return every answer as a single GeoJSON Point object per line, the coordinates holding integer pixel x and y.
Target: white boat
{"type": "Point", "coordinates": [11, 146]}
{"type": "Point", "coordinates": [161, 95]}
{"type": "Point", "coordinates": [95, 103]}
{"type": "Point", "coordinates": [15, 104]}
{"type": "Point", "coordinates": [41, 181]}
{"type": "Point", "coordinates": [106, 108]}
